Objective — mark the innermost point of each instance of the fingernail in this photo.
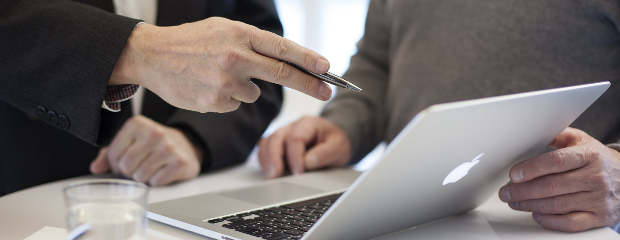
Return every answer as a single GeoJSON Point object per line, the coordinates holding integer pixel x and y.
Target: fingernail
{"type": "Point", "coordinates": [322, 65]}
{"type": "Point", "coordinates": [312, 161]}
{"type": "Point", "coordinates": [537, 217]}
{"type": "Point", "coordinates": [514, 205]}
{"type": "Point", "coordinates": [325, 91]}
{"type": "Point", "coordinates": [517, 175]}
{"type": "Point", "coordinates": [504, 195]}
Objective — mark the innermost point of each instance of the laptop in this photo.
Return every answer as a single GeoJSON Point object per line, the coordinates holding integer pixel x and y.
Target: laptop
{"type": "Point", "coordinates": [449, 159]}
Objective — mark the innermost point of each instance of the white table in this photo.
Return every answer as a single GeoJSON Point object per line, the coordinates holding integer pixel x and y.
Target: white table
{"type": "Point", "coordinates": [26, 212]}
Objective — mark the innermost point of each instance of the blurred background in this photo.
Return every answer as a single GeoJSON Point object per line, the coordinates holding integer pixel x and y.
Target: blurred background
{"type": "Point", "coordinates": [331, 28]}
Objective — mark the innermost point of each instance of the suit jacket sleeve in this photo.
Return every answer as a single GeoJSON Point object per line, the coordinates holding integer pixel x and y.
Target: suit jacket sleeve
{"type": "Point", "coordinates": [360, 113]}
{"type": "Point", "coordinates": [58, 56]}
{"type": "Point", "coordinates": [226, 138]}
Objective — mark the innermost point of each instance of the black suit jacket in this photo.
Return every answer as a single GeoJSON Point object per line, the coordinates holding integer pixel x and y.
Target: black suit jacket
{"type": "Point", "coordinates": [56, 58]}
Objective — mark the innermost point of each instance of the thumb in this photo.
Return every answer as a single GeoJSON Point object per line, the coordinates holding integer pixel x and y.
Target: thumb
{"type": "Point", "coordinates": [323, 155]}
{"type": "Point", "coordinates": [568, 138]}
{"type": "Point", "coordinates": [100, 164]}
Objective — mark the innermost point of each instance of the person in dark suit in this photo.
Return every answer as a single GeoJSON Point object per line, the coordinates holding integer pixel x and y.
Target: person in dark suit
{"type": "Point", "coordinates": [61, 58]}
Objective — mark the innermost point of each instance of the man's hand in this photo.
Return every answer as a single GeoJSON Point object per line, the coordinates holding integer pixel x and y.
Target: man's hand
{"type": "Point", "coordinates": [149, 152]}
{"type": "Point", "coordinates": [308, 144]}
{"type": "Point", "coordinates": [206, 66]}
{"type": "Point", "coordinates": [574, 188]}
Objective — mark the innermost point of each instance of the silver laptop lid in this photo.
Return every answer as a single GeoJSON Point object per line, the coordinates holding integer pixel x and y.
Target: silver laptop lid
{"type": "Point", "coordinates": [450, 158]}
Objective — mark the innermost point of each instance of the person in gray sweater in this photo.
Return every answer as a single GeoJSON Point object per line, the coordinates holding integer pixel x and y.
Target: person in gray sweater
{"type": "Point", "coordinates": [416, 53]}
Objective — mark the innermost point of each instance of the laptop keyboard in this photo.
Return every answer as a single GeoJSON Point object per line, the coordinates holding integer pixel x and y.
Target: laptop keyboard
{"type": "Point", "coordinates": [290, 221]}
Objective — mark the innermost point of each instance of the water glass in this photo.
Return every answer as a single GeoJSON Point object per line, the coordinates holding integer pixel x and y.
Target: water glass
{"type": "Point", "coordinates": [106, 209]}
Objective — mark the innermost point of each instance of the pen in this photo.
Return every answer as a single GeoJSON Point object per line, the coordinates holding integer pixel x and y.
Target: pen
{"type": "Point", "coordinates": [329, 78]}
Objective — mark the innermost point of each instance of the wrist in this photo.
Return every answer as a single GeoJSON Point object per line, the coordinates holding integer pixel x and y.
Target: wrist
{"type": "Point", "coordinates": [127, 70]}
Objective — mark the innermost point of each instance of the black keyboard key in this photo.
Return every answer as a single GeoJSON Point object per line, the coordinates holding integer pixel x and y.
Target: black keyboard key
{"type": "Point", "coordinates": [317, 206]}
{"type": "Point", "coordinates": [310, 214]}
{"type": "Point", "coordinates": [228, 226]}
{"type": "Point", "coordinates": [312, 220]}
{"type": "Point", "coordinates": [241, 223]}
{"type": "Point", "coordinates": [283, 220]}
{"type": "Point", "coordinates": [291, 212]}
{"type": "Point", "coordinates": [278, 215]}
{"type": "Point", "coordinates": [327, 203]}
{"type": "Point", "coordinates": [260, 233]}
{"type": "Point", "coordinates": [297, 217]}
{"type": "Point", "coordinates": [276, 209]}
{"type": "Point", "coordinates": [275, 236]}
{"type": "Point", "coordinates": [305, 229]}
{"type": "Point", "coordinates": [235, 219]}
{"type": "Point", "coordinates": [274, 230]}
{"type": "Point", "coordinates": [215, 220]}
{"type": "Point", "coordinates": [263, 219]}
{"type": "Point", "coordinates": [296, 237]}
{"type": "Point", "coordinates": [285, 226]}
{"type": "Point", "coordinates": [269, 223]}
{"type": "Point", "coordinates": [293, 232]}
{"type": "Point", "coordinates": [255, 227]}
{"type": "Point", "coordinates": [303, 209]}
{"type": "Point", "coordinates": [321, 211]}
{"type": "Point", "coordinates": [316, 200]}
{"type": "Point", "coordinates": [243, 215]}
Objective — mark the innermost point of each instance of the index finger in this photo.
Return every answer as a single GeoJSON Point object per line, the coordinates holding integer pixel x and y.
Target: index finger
{"type": "Point", "coordinates": [274, 71]}
{"type": "Point", "coordinates": [274, 46]}
{"type": "Point", "coordinates": [558, 161]}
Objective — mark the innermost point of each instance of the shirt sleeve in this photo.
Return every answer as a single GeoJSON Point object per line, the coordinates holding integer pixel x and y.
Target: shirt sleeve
{"type": "Point", "coordinates": [116, 94]}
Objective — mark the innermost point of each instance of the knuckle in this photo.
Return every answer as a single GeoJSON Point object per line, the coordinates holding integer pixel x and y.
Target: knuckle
{"type": "Point", "coordinates": [181, 163]}
{"type": "Point", "coordinates": [292, 139]}
{"type": "Point", "coordinates": [558, 158]}
{"type": "Point", "coordinates": [307, 58]}
{"type": "Point", "coordinates": [593, 155]}
{"type": "Point", "coordinates": [598, 180]}
{"type": "Point", "coordinates": [229, 59]}
{"type": "Point", "coordinates": [281, 71]}
{"type": "Point", "coordinates": [281, 47]}
{"type": "Point", "coordinates": [166, 149]}
{"type": "Point", "coordinates": [156, 133]}
{"type": "Point", "coordinates": [311, 84]}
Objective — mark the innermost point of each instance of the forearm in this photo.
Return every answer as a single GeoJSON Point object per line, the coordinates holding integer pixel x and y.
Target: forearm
{"type": "Point", "coordinates": [59, 55]}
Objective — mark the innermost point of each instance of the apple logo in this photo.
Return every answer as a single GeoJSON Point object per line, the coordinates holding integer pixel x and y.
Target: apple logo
{"type": "Point", "coordinates": [460, 171]}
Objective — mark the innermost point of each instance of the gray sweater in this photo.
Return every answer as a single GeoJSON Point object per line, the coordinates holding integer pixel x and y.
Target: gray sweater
{"type": "Point", "coordinates": [416, 53]}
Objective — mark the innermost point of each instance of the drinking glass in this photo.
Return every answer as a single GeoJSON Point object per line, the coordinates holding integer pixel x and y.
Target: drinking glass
{"type": "Point", "coordinates": [106, 209]}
